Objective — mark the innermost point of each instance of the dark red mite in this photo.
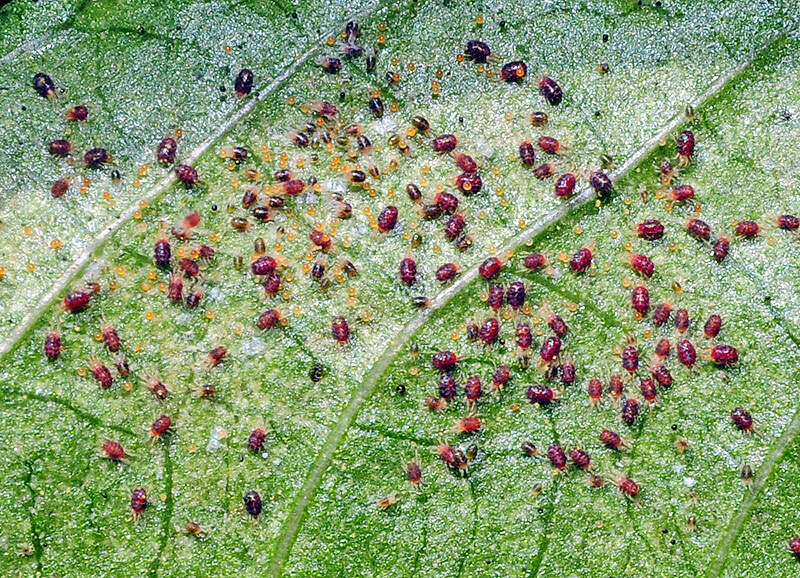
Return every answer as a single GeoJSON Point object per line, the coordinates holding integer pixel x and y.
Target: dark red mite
{"type": "Point", "coordinates": [712, 326]}
{"type": "Point", "coordinates": [186, 175]}
{"type": "Point", "coordinates": [557, 324]}
{"type": "Point", "coordinates": [627, 486]}
{"type": "Point", "coordinates": [53, 346]}
{"type": "Point", "coordinates": [661, 314]}
{"type": "Point", "coordinates": [557, 457]}
{"type": "Point", "coordinates": [640, 299]}
{"type": "Point", "coordinates": [340, 329]}
{"type": "Point", "coordinates": [515, 296]}
{"type": "Point", "coordinates": [721, 248]}
{"type": "Point", "coordinates": [724, 355]}
{"type": "Point", "coordinates": [581, 260]}
{"type": "Point", "coordinates": [550, 348]}
{"type": "Point", "coordinates": [387, 219]}
{"type": "Point", "coordinates": [611, 439]}
{"type": "Point", "coordinates": [685, 146]}
{"type": "Point", "coordinates": [527, 154]}
{"type": "Point", "coordinates": [615, 387]}
{"type": "Point", "coordinates": [466, 163]}
{"type": "Point", "coordinates": [447, 202]}
{"type": "Point", "coordinates": [535, 261]}
{"type": "Point", "coordinates": [565, 185]}
{"type": "Point", "coordinates": [160, 426]}
{"type": "Point", "coordinates": [686, 353]}
{"type": "Point", "coordinates": [681, 320]}
{"type": "Point", "coordinates": [742, 419]}
{"type": "Point", "coordinates": [747, 229]}
{"type": "Point", "coordinates": [113, 450]}
{"type": "Point", "coordinates": [543, 171]}
{"type": "Point", "coordinates": [77, 300]}
{"type": "Point", "coordinates": [444, 143]}
{"type": "Point", "coordinates": [651, 229]}
{"type": "Point", "coordinates": [252, 503]}
{"type": "Point", "coordinates": [794, 545]}
{"type": "Point", "coordinates": [595, 390]}
{"type": "Point", "coordinates": [551, 90]}
{"type": "Point", "coordinates": [162, 253]}
{"type": "Point", "coordinates": [489, 331]}
{"type": "Point", "coordinates": [321, 239]}
{"type": "Point", "coordinates": [698, 229]}
{"type": "Point", "coordinates": [630, 358]}
{"type": "Point", "coordinates": [110, 337]}
{"type": "Point", "coordinates": [454, 226]}
{"type": "Point", "coordinates": [77, 113]}
{"type": "Point", "coordinates": [601, 183]}
{"type": "Point", "coordinates": [514, 71]}
{"type": "Point", "coordinates": [243, 85]}
{"type": "Point", "coordinates": [447, 386]}
{"type": "Point", "coordinates": [446, 272]}
{"type": "Point", "coordinates": [60, 187]}
{"type": "Point", "coordinates": [331, 64]}
{"type": "Point", "coordinates": [523, 335]}
{"type": "Point", "coordinates": [256, 440]}
{"type": "Point", "coordinates": [630, 410]}
{"type": "Point", "coordinates": [478, 51]}
{"type": "Point", "coordinates": [166, 151]}
{"type": "Point", "coordinates": [264, 265]}
{"type": "Point", "coordinates": [682, 193]}
{"type": "Point", "coordinates": [549, 144]}
{"type": "Point", "coordinates": [414, 474]}
{"type": "Point", "coordinates": [648, 388]}
{"type": "Point", "coordinates": [580, 458]}
{"type": "Point", "coordinates": [663, 347]}
{"type": "Point", "coordinates": [217, 355]}
{"type": "Point", "coordinates": [449, 456]}
{"type": "Point", "coordinates": [408, 271]}
{"type": "Point", "coordinates": [268, 319]}
{"type": "Point", "coordinates": [138, 501]}
{"type": "Point", "coordinates": [96, 158]}
{"type": "Point", "coordinates": [567, 371]}
{"type": "Point", "coordinates": [788, 222]}
{"type": "Point", "coordinates": [444, 360]}
{"type": "Point", "coordinates": [661, 374]}
{"type": "Point", "coordinates": [490, 268]}
{"type": "Point", "coordinates": [501, 376]}
{"type": "Point", "coordinates": [469, 183]}
{"type": "Point", "coordinates": [60, 147]}
{"type": "Point", "coordinates": [642, 264]}
{"type": "Point", "coordinates": [175, 288]}
{"type": "Point", "coordinates": [44, 85]}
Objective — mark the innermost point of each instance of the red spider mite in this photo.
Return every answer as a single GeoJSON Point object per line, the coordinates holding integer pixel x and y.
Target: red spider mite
{"type": "Point", "coordinates": [243, 85]}
{"type": "Point", "coordinates": [651, 229]}
{"type": "Point", "coordinates": [611, 439]}
{"type": "Point", "coordinates": [96, 157]}
{"type": "Point", "coordinates": [53, 346]}
{"type": "Point", "coordinates": [252, 503]}
{"type": "Point", "coordinates": [469, 424]}
{"type": "Point", "coordinates": [175, 289]}
{"type": "Point", "coordinates": [364, 144]}
{"type": "Point", "coordinates": [387, 219]}
{"type": "Point", "coordinates": [447, 202]}
{"type": "Point", "coordinates": [414, 474]}
{"type": "Point", "coordinates": [189, 267]}
{"type": "Point", "coordinates": [162, 253]}
{"type": "Point", "coordinates": [794, 545]}
{"type": "Point", "coordinates": [44, 85]}
{"type": "Point", "coordinates": [413, 192]}
{"type": "Point", "coordinates": [444, 143]}
{"type": "Point", "coordinates": [447, 386]}
{"type": "Point", "coordinates": [478, 51]}
{"type": "Point", "coordinates": [264, 265]}
{"type": "Point", "coordinates": [515, 295]}
{"type": "Point", "coordinates": [686, 353]}
{"type": "Point", "coordinates": [682, 193]}
{"type": "Point", "coordinates": [601, 183]}
{"type": "Point", "coordinates": [268, 319]}
{"type": "Point", "coordinates": [567, 371]}
{"type": "Point", "coordinates": [293, 187]}
{"type": "Point", "coordinates": [640, 299]}
{"type": "Point", "coordinates": [340, 330]}
{"type": "Point", "coordinates": [186, 175]}
{"type": "Point", "coordinates": [527, 153]}
{"type": "Point", "coordinates": [255, 442]}
{"type": "Point", "coordinates": [663, 347]}
{"type": "Point", "coordinates": [321, 239]}
{"type": "Point", "coordinates": [712, 326]}
{"type": "Point", "coordinates": [469, 183]}
{"type": "Point", "coordinates": [431, 212]}
{"type": "Point", "coordinates": [549, 144]}
{"type": "Point", "coordinates": [300, 139]}
{"type": "Point", "coordinates": [473, 388]}
{"type": "Point", "coordinates": [446, 272]}
{"type": "Point", "coordinates": [122, 366]}
{"type": "Point", "coordinates": [113, 450]}
{"type": "Point", "coordinates": [528, 449]}
{"type": "Point", "coordinates": [630, 410]}
{"type": "Point", "coordinates": [217, 355]}
{"type": "Point", "coordinates": [448, 455]}
{"type": "Point", "coordinates": [742, 419]}
{"type": "Point", "coordinates": [550, 348]}
{"type": "Point", "coordinates": [648, 388]}
{"type": "Point", "coordinates": [557, 457]}
{"type": "Point", "coordinates": [581, 260]}
{"type": "Point", "coordinates": [490, 268]}
{"type": "Point", "coordinates": [376, 106]}
{"type": "Point", "coordinates": [682, 320]}
{"type": "Point", "coordinates": [724, 355]}
{"type": "Point", "coordinates": [523, 335]}
{"type": "Point", "coordinates": [565, 185]}
{"type": "Point", "coordinates": [535, 261]}
{"type": "Point", "coordinates": [661, 314]}
{"type": "Point", "coordinates": [685, 146]}
{"type": "Point", "coordinates": [698, 229]}
{"type": "Point", "coordinates": [551, 90]}
{"type": "Point", "coordinates": [77, 113]}
{"type": "Point", "coordinates": [166, 151]}
{"type": "Point", "coordinates": [110, 337]}
{"type": "Point", "coordinates": [786, 222]}
{"type": "Point", "coordinates": [408, 271]}
{"type": "Point", "coordinates": [615, 387]}
{"type": "Point", "coordinates": [331, 64]}
{"type": "Point", "coordinates": [627, 486]}
{"type": "Point", "coordinates": [501, 376]}
{"type": "Point", "coordinates": [157, 388]}
{"type": "Point", "coordinates": [721, 248]}
{"type": "Point", "coordinates": [642, 264]}
{"type": "Point", "coordinates": [357, 176]}
{"type": "Point", "coordinates": [60, 147]}
{"type": "Point", "coordinates": [160, 426]}
{"type": "Point", "coordinates": [514, 71]}
{"type": "Point", "coordinates": [495, 297]}
{"type": "Point", "coordinates": [580, 458]}
{"type": "Point", "coordinates": [747, 229]}
{"type": "Point", "coordinates": [138, 501]}
{"type": "Point", "coordinates": [101, 373]}
{"type": "Point", "coordinates": [630, 358]}
{"type": "Point", "coordinates": [454, 226]}
{"type": "Point", "coordinates": [541, 394]}
{"type": "Point", "coordinates": [60, 187]}
{"type": "Point", "coordinates": [489, 331]}
{"type": "Point", "coordinates": [557, 324]}
{"type": "Point", "coordinates": [435, 403]}
{"type": "Point", "coordinates": [466, 163]}
{"type": "Point", "coordinates": [421, 123]}
{"type": "Point", "coordinates": [543, 171]}
{"type": "Point", "coordinates": [194, 296]}
{"type": "Point", "coordinates": [444, 360]}
{"type": "Point", "coordinates": [595, 390]}
{"type": "Point", "coordinates": [661, 374]}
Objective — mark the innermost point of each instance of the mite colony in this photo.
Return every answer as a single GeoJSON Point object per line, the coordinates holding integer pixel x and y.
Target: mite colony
{"type": "Point", "coordinates": [642, 379]}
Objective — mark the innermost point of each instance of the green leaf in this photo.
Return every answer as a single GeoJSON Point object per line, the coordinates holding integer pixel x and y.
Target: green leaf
{"type": "Point", "coordinates": [330, 475]}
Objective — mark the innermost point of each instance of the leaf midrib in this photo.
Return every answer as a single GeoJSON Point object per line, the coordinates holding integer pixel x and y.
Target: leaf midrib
{"type": "Point", "coordinates": [586, 194]}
